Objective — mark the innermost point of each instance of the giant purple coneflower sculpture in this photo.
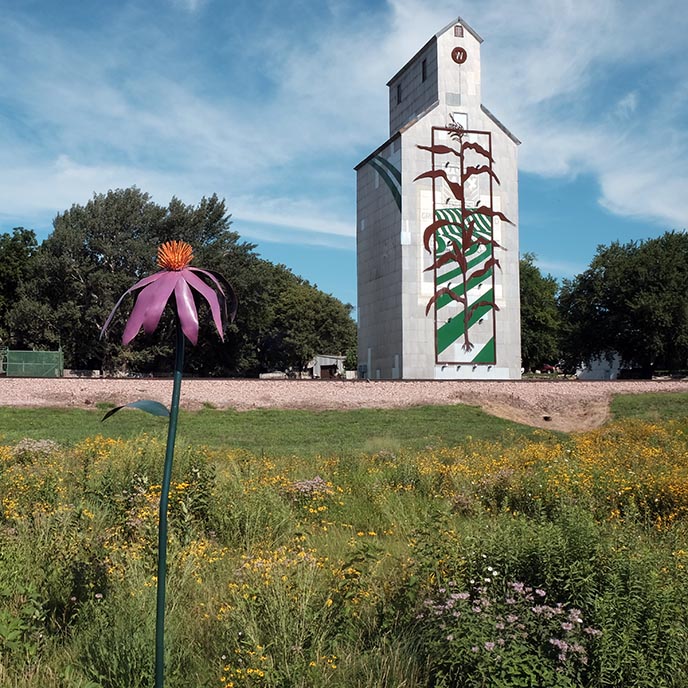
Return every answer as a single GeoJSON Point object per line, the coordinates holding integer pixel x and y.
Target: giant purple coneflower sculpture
{"type": "Point", "coordinates": [179, 278]}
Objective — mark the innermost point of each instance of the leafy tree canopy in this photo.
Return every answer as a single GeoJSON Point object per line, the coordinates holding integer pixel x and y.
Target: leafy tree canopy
{"type": "Point", "coordinates": [96, 251]}
{"type": "Point", "coordinates": [540, 321]}
{"type": "Point", "coordinates": [16, 250]}
{"type": "Point", "coordinates": [633, 300]}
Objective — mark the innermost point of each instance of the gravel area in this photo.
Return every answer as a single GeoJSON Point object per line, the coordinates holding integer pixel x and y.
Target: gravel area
{"type": "Point", "coordinates": [568, 405]}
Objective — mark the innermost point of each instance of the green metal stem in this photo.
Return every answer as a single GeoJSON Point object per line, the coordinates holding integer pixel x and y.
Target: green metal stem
{"type": "Point", "coordinates": [164, 499]}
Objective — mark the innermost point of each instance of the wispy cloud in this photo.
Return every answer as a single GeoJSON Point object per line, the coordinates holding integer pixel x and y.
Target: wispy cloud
{"type": "Point", "coordinates": [548, 73]}
{"type": "Point", "coordinates": [281, 234]}
{"type": "Point", "coordinates": [554, 87]}
{"type": "Point", "coordinates": [303, 215]}
{"type": "Point", "coordinates": [559, 268]}
{"type": "Point", "coordinates": [191, 6]}
{"type": "Point", "coordinates": [627, 105]}
{"type": "Point", "coordinates": [271, 107]}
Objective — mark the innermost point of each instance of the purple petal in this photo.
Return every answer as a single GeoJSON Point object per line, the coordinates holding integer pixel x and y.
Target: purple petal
{"type": "Point", "coordinates": [186, 309]}
{"type": "Point", "coordinates": [209, 274]}
{"type": "Point", "coordinates": [164, 289]}
{"type": "Point", "coordinates": [136, 316]}
{"type": "Point", "coordinates": [141, 283]}
{"type": "Point", "coordinates": [227, 293]}
{"type": "Point", "coordinates": [151, 301]}
{"type": "Point", "coordinates": [210, 296]}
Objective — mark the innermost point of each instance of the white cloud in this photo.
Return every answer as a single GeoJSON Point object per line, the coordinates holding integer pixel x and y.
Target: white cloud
{"type": "Point", "coordinates": [132, 104]}
{"type": "Point", "coordinates": [559, 268]}
{"type": "Point", "coordinates": [546, 75]}
{"type": "Point", "coordinates": [627, 105]}
{"type": "Point", "coordinates": [306, 216]}
{"type": "Point", "coordinates": [553, 90]}
{"type": "Point", "coordinates": [288, 235]}
{"type": "Point", "coordinates": [191, 6]}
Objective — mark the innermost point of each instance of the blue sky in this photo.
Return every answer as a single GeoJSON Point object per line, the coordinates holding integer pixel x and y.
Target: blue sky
{"type": "Point", "coordinates": [271, 104]}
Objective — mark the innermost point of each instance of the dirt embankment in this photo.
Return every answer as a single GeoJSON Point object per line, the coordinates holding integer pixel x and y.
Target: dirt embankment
{"type": "Point", "coordinates": [559, 405]}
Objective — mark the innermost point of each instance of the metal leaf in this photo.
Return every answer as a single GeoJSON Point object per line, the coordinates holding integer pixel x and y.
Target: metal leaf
{"type": "Point", "coordinates": [442, 292]}
{"type": "Point", "coordinates": [478, 169]}
{"type": "Point", "coordinates": [456, 189]}
{"type": "Point", "coordinates": [155, 408]}
{"type": "Point", "coordinates": [484, 210]}
{"type": "Point", "coordinates": [477, 148]}
{"type": "Point", "coordinates": [430, 230]}
{"type": "Point", "coordinates": [439, 149]}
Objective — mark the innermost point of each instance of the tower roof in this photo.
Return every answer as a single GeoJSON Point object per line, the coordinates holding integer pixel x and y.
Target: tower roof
{"type": "Point", "coordinates": [500, 125]}
{"type": "Point", "coordinates": [458, 20]}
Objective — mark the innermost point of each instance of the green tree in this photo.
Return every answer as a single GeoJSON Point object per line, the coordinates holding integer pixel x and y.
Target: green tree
{"type": "Point", "coordinates": [632, 300]}
{"type": "Point", "coordinates": [98, 250]}
{"type": "Point", "coordinates": [79, 271]}
{"type": "Point", "coordinates": [540, 322]}
{"type": "Point", "coordinates": [16, 251]}
{"type": "Point", "coordinates": [308, 322]}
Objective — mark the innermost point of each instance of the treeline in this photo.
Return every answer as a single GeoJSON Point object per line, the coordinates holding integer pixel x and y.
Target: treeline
{"type": "Point", "coordinates": [631, 301]}
{"type": "Point", "coordinates": [58, 293]}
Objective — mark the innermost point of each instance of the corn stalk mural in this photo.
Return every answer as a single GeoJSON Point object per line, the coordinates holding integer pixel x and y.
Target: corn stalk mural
{"type": "Point", "coordinates": [461, 242]}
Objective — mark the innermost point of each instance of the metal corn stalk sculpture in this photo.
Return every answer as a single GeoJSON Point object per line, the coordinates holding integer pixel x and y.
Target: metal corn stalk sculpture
{"type": "Point", "coordinates": [460, 238]}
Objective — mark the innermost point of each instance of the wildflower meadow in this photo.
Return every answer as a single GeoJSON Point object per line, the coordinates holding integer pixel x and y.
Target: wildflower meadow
{"type": "Point", "coordinates": [535, 560]}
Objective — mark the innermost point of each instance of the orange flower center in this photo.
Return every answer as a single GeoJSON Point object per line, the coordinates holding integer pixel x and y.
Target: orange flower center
{"type": "Point", "coordinates": [174, 255]}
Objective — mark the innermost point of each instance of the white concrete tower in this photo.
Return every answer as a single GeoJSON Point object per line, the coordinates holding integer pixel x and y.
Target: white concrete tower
{"type": "Point", "coordinates": [437, 226]}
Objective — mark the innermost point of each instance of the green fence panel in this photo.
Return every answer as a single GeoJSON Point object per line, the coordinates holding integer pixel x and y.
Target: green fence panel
{"type": "Point", "coordinates": [34, 363]}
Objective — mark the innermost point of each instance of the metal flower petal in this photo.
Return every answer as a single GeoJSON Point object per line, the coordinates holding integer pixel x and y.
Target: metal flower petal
{"type": "Point", "coordinates": [179, 279]}
{"type": "Point", "coordinates": [186, 309]}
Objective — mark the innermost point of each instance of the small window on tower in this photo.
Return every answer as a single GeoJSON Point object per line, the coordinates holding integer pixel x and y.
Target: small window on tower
{"type": "Point", "coordinates": [398, 94]}
{"type": "Point", "coordinates": [458, 31]}
{"type": "Point", "coordinates": [424, 70]}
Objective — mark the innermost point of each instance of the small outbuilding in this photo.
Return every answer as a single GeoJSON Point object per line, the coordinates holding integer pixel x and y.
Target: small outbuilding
{"type": "Point", "coordinates": [600, 368]}
{"type": "Point", "coordinates": [327, 367]}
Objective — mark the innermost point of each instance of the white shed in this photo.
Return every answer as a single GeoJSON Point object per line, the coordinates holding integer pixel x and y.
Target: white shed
{"type": "Point", "coordinates": [327, 367]}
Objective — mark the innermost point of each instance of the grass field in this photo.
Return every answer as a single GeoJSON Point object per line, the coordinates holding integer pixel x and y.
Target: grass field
{"type": "Point", "coordinates": [650, 407]}
{"type": "Point", "coordinates": [285, 432]}
{"type": "Point", "coordinates": [272, 431]}
{"type": "Point", "coordinates": [430, 547]}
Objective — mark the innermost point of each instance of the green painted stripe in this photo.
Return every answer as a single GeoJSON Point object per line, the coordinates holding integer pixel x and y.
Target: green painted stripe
{"type": "Point", "coordinates": [445, 234]}
{"type": "Point", "coordinates": [446, 300]}
{"type": "Point", "coordinates": [452, 330]}
{"type": "Point", "coordinates": [482, 222]}
{"type": "Point", "coordinates": [448, 276]}
{"type": "Point", "coordinates": [486, 354]}
{"type": "Point", "coordinates": [384, 174]}
{"type": "Point", "coordinates": [395, 172]}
